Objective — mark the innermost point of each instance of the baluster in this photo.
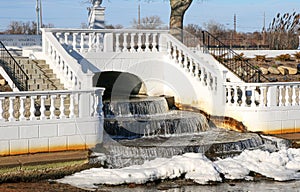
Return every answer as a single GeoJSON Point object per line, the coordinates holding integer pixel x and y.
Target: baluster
{"type": "Point", "coordinates": [72, 107]}
{"type": "Point", "coordinates": [82, 35]}
{"type": "Point", "coordinates": [236, 95]}
{"type": "Point", "coordinates": [196, 73]}
{"type": "Point", "coordinates": [90, 46]}
{"type": "Point", "coordinates": [62, 107]}
{"type": "Point", "coordinates": [125, 35]}
{"type": "Point", "coordinates": [52, 107]}
{"type": "Point", "coordinates": [244, 98]}
{"type": "Point", "coordinates": [57, 69]}
{"type": "Point", "coordinates": [93, 104]}
{"type": "Point", "coordinates": [140, 43]}
{"type": "Point", "coordinates": [180, 57]}
{"type": "Point", "coordinates": [32, 108]}
{"type": "Point", "coordinates": [281, 103]}
{"type": "Point", "coordinates": [169, 50]}
{"type": "Point", "coordinates": [1, 109]}
{"type": "Point", "coordinates": [154, 43]}
{"type": "Point", "coordinates": [191, 67]}
{"type": "Point", "coordinates": [262, 96]}
{"type": "Point", "coordinates": [58, 36]}
{"type": "Point", "coordinates": [118, 48]}
{"type": "Point", "coordinates": [74, 44]}
{"type": "Point", "coordinates": [147, 44]}
{"type": "Point", "coordinates": [74, 81]}
{"type": "Point", "coordinates": [66, 73]}
{"type": "Point", "coordinates": [185, 62]}
{"type": "Point", "coordinates": [98, 42]}
{"type": "Point", "coordinates": [62, 68]}
{"type": "Point", "coordinates": [205, 77]}
{"type": "Point", "coordinates": [288, 102]}
{"type": "Point", "coordinates": [43, 108]}
{"type": "Point", "coordinates": [11, 109]}
{"type": "Point", "coordinates": [132, 44]}
{"type": "Point", "coordinates": [253, 92]}
{"type": "Point", "coordinates": [22, 108]}
{"type": "Point", "coordinates": [70, 79]}
{"type": "Point", "coordinates": [202, 75]}
{"type": "Point", "coordinates": [229, 89]}
{"type": "Point", "coordinates": [210, 79]}
{"type": "Point", "coordinates": [175, 54]}
{"type": "Point", "coordinates": [66, 35]}
{"type": "Point", "coordinates": [53, 54]}
{"type": "Point", "coordinates": [216, 83]}
{"type": "Point", "coordinates": [294, 95]}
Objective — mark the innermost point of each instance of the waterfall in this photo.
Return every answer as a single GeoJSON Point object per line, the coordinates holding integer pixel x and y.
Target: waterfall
{"type": "Point", "coordinates": [148, 117]}
{"type": "Point", "coordinates": [143, 128]}
{"type": "Point", "coordinates": [167, 124]}
{"type": "Point", "coordinates": [124, 153]}
{"type": "Point", "coordinates": [136, 107]}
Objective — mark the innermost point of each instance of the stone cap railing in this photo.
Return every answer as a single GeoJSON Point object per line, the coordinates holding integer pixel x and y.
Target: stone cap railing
{"type": "Point", "coordinates": [263, 95]}
{"type": "Point", "coordinates": [50, 105]}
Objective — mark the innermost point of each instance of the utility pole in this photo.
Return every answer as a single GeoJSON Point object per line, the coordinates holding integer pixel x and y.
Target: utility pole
{"type": "Point", "coordinates": [37, 17]}
{"type": "Point", "coordinates": [139, 16]}
{"type": "Point", "coordinates": [41, 15]}
{"type": "Point", "coordinates": [234, 31]}
{"type": "Point", "coordinates": [264, 30]}
{"type": "Point", "coordinates": [234, 23]}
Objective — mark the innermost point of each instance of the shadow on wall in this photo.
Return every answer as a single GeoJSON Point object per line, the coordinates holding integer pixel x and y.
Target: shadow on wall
{"type": "Point", "coordinates": [119, 85]}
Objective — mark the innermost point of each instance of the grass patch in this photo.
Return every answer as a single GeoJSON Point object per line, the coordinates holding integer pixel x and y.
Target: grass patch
{"type": "Point", "coordinates": [28, 173]}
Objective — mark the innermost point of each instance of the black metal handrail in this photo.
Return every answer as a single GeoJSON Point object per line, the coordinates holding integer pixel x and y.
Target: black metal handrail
{"type": "Point", "coordinates": [231, 60]}
{"type": "Point", "coordinates": [207, 43]}
{"type": "Point", "coordinates": [13, 69]}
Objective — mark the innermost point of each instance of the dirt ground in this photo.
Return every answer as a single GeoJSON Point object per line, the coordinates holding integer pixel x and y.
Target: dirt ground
{"type": "Point", "coordinates": [43, 186]}
{"type": "Point", "coordinates": [272, 62]}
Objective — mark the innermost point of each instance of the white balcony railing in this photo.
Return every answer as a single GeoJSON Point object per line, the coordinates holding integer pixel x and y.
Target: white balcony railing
{"type": "Point", "coordinates": [106, 40]}
{"type": "Point", "coordinates": [263, 95]}
{"type": "Point", "coordinates": [49, 105]}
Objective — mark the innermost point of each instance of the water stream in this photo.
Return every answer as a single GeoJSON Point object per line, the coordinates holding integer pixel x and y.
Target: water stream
{"type": "Point", "coordinates": [144, 128]}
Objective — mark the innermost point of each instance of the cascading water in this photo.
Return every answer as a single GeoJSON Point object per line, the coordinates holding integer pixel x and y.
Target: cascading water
{"type": "Point", "coordinates": [143, 128]}
{"type": "Point", "coordinates": [136, 106]}
{"type": "Point", "coordinates": [149, 116]}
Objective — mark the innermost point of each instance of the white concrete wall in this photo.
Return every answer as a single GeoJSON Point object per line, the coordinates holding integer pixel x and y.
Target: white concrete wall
{"type": "Point", "coordinates": [49, 135]}
{"type": "Point", "coordinates": [162, 76]}
{"type": "Point", "coordinates": [77, 124]}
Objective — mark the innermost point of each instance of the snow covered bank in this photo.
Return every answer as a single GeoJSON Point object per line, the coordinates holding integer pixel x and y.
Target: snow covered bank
{"type": "Point", "coordinates": [281, 166]}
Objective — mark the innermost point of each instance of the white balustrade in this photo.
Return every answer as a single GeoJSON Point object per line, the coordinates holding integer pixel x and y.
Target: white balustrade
{"type": "Point", "coordinates": [67, 68]}
{"type": "Point", "coordinates": [264, 94]}
{"type": "Point", "coordinates": [50, 105]}
{"type": "Point", "coordinates": [93, 40]}
{"type": "Point", "coordinates": [177, 51]}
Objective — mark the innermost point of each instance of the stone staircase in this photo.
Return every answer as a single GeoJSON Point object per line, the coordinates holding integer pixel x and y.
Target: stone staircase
{"type": "Point", "coordinates": [41, 77]}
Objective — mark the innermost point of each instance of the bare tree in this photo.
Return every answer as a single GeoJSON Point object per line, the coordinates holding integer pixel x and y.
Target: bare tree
{"type": "Point", "coordinates": [27, 28]}
{"type": "Point", "coordinates": [282, 32]}
{"type": "Point", "coordinates": [151, 22]}
{"type": "Point", "coordinates": [118, 26]}
{"type": "Point", "coordinates": [216, 29]}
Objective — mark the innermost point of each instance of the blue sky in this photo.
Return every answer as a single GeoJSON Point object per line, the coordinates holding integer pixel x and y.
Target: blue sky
{"type": "Point", "coordinates": [71, 13]}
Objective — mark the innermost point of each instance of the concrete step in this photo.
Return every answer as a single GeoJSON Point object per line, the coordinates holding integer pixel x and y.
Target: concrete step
{"type": "Point", "coordinates": [41, 77]}
{"type": "Point", "coordinates": [48, 71]}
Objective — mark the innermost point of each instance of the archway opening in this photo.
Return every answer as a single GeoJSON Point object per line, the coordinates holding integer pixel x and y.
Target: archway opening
{"type": "Point", "coordinates": [119, 84]}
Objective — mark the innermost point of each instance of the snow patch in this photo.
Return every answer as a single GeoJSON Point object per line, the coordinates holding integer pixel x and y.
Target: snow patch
{"type": "Point", "coordinates": [283, 165]}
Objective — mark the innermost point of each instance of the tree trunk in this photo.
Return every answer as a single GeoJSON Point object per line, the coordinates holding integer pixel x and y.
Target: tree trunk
{"type": "Point", "coordinates": [178, 9]}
